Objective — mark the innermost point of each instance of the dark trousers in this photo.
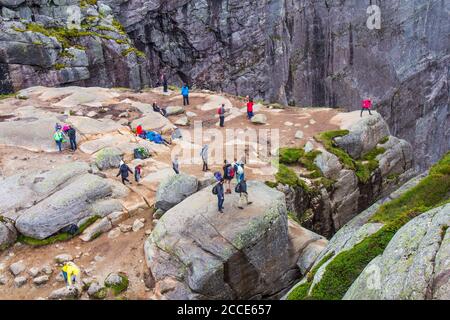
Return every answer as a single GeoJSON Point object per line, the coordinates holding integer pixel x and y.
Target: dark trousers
{"type": "Point", "coordinates": [137, 176]}
{"type": "Point", "coordinates": [59, 144]}
{"type": "Point", "coordinates": [185, 100]}
{"type": "Point", "coordinates": [221, 200]}
{"type": "Point", "coordinates": [176, 170]}
{"type": "Point", "coordinates": [73, 144]}
{"type": "Point", "coordinates": [165, 86]}
{"type": "Point", "coordinates": [249, 114]}
{"type": "Point", "coordinates": [125, 179]}
{"type": "Point", "coordinates": [222, 121]}
{"type": "Point", "coordinates": [205, 166]}
{"type": "Point", "coordinates": [362, 110]}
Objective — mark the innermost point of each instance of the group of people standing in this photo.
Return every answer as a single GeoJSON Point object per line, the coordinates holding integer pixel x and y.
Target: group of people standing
{"type": "Point", "coordinates": [231, 171]}
{"type": "Point", "coordinates": [61, 132]}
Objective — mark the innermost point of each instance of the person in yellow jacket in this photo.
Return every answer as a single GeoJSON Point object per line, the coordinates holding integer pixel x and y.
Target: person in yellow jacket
{"type": "Point", "coordinates": [70, 273]}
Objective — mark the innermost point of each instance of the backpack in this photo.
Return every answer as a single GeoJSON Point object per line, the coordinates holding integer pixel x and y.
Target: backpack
{"type": "Point", "coordinates": [141, 153]}
{"type": "Point", "coordinates": [230, 172]}
{"type": "Point", "coordinates": [238, 188]}
{"type": "Point", "coordinates": [71, 229]}
{"type": "Point", "coordinates": [218, 176]}
{"type": "Point", "coordinates": [214, 190]}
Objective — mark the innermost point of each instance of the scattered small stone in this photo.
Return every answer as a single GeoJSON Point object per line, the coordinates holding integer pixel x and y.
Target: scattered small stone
{"type": "Point", "coordinates": [65, 293]}
{"type": "Point", "coordinates": [137, 225]}
{"type": "Point", "coordinates": [312, 122]}
{"type": "Point", "coordinates": [46, 269]}
{"type": "Point", "coordinates": [91, 114]}
{"type": "Point", "coordinates": [63, 258]}
{"type": "Point", "coordinates": [33, 272]}
{"type": "Point", "coordinates": [299, 134]}
{"type": "Point", "coordinates": [191, 114]}
{"type": "Point", "coordinates": [20, 281]}
{"type": "Point", "coordinates": [114, 233]}
{"type": "Point", "coordinates": [3, 279]}
{"type": "Point", "coordinates": [99, 258]}
{"type": "Point", "coordinates": [289, 124]}
{"type": "Point", "coordinates": [125, 228]}
{"type": "Point", "coordinates": [17, 267]}
{"type": "Point", "coordinates": [41, 280]}
{"type": "Point", "coordinates": [308, 147]}
{"type": "Point", "coordinates": [97, 291]}
{"type": "Point", "coordinates": [59, 277]}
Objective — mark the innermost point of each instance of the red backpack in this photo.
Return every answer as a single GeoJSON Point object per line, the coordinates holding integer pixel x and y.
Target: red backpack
{"type": "Point", "coordinates": [231, 171]}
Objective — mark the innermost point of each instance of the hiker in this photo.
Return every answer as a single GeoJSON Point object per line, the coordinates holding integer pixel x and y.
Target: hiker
{"type": "Point", "coordinates": [176, 165]}
{"type": "Point", "coordinates": [164, 82]}
{"type": "Point", "coordinates": [204, 155]}
{"type": "Point", "coordinates": [123, 172]}
{"type": "Point", "coordinates": [72, 138]}
{"type": "Point", "coordinates": [70, 272]}
{"type": "Point", "coordinates": [185, 93]}
{"type": "Point", "coordinates": [218, 190]}
{"type": "Point", "coordinates": [221, 112]}
{"type": "Point", "coordinates": [228, 175]}
{"type": "Point", "coordinates": [250, 108]}
{"type": "Point", "coordinates": [65, 128]}
{"type": "Point", "coordinates": [57, 127]}
{"type": "Point", "coordinates": [241, 188]}
{"type": "Point", "coordinates": [59, 138]}
{"type": "Point", "coordinates": [366, 105]}
{"type": "Point", "coordinates": [239, 171]}
{"type": "Point", "coordinates": [138, 173]}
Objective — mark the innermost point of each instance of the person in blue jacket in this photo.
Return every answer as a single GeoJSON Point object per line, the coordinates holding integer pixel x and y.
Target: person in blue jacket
{"type": "Point", "coordinates": [185, 93]}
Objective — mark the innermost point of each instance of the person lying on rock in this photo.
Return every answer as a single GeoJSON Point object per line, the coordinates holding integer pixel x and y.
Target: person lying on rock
{"type": "Point", "coordinates": [241, 188]}
{"type": "Point", "coordinates": [123, 172]}
{"type": "Point", "coordinates": [70, 272]}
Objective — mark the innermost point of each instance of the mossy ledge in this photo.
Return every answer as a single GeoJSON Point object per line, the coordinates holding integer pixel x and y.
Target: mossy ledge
{"type": "Point", "coordinates": [60, 237]}
{"type": "Point", "coordinates": [364, 167]}
{"type": "Point", "coordinates": [433, 191]}
{"type": "Point", "coordinates": [121, 286]}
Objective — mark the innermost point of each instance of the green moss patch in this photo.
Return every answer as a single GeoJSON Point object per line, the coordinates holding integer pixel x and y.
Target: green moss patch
{"type": "Point", "coordinates": [433, 191]}
{"type": "Point", "coordinates": [6, 96]}
{"type": "Point", "coordinates": [118, 288]}
{"type": "Point", "coordinates": [364, 167]}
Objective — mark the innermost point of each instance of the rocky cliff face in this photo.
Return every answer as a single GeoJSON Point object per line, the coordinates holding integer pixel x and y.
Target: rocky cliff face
{"type": "Point", "coordinates": [307, 53]}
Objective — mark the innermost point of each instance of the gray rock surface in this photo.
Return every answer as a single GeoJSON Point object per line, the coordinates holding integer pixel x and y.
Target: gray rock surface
{"type": "Point", "coordinates": [175, 189]}
{"type": "Point", "coordinates": [414, 266]}
{"type": "Point", "coordinates": [65, 293]}
{"type": "Point", "coordinates": [236, 255]}
{"type": "Point", "coordinates": [364, 135]}
{"type": "Point", "coordinates": [64, 207]}
{"type": "Point", "coordinates": [8, 234]}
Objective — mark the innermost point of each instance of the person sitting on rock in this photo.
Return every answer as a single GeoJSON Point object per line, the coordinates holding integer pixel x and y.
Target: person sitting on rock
{"type": "Point", "coordinates": [139, 130]}
{"type": "Point", "coordinates": [241, 188]}
{"type": "Point", "coordinates": [155, 107]}
{"type": "Point", "coordinates": [123, 172]}
{"type": "Point", "coordinates": [70, 272]}
{"type": "Point", "coordinates": [366, 105]}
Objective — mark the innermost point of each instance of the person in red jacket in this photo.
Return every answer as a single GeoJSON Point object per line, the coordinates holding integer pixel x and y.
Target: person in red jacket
{"type": "Point", "coordinates": [366, 105]}
{"type": "Point", "coordinates": [250, 108]}
{"type": "Point", "coordinates": [139, 130]}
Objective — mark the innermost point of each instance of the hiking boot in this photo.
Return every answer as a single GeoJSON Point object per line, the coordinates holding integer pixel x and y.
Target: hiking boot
{"type": "Point", "coordinates": [241, 208]}
{"type": "Point", "coordinates": [249, 203]}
